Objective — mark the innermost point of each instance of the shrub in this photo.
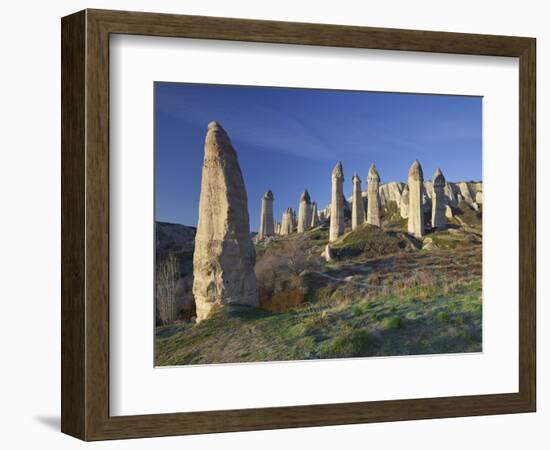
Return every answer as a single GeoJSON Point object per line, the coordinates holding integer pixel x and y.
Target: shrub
{"type": "Point", "coordinates": [166, 285]}
{"type": "Point", "coordinates": [354, 343]}
{"type": "Point", "coordinates": [442, 316]}
{"type": "Point", "coordinates": [393, 323]}
{"type": "Point", "coordinates": [282, 273]}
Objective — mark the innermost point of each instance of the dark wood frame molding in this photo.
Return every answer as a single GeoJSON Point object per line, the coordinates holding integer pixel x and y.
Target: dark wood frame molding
{"type": "Point", "coordinates": [85, 224]}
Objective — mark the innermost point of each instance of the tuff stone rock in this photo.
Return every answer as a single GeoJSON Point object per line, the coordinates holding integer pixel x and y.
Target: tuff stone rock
{"type": "Point", "coordinates": [337, 225]}
{"type": "Point", "coordinates": [415, 215]}
{"type": "Point", "coordinates": [404, 205]}
{"type": "Point", "coordinates": [224, 256]}
{"type": "Point", "coordinates": [327, 254]}
{"type": "Point", "coordinates": [438, 200]}
{"type": "Point", "coordinates": [267, 226]}
{"type": "Point", "coordinates": [304, 212]}
{"type": "Point", "coordinates": [391, 192]}
{"type": "Point", "coordinates": [314, 215]}
{"type": "Point", "coordinates": [286, 224]}
{"type": "Point", "coordinates": [479, 198]}
{"type": "Point", "coordinates": [373, 200]}
{"type": "Point", "coordinates": [357, 205]}
{"type": "Point", "coordinates": [466, 192]}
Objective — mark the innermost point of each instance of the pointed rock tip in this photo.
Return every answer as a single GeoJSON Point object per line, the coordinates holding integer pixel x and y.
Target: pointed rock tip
{"type": "Point", "coordinates": [438, 177]}
{"type": "Point", "coordinates": [338, 170]}
{"type": "Point", "coordinates": [305, 197]}
{"type": "Point", "coordinates": [373, 173]}
{"type": "Point", "coordinates": [268, 195]}
{"type": "Point", "coordinates": [212, 125]}
{"type": "Point", "coordinates": [416, 168]}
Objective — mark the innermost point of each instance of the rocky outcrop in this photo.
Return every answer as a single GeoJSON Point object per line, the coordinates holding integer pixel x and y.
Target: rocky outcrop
{"type": "Point", "coordinates": [415, 215]}
{"type": "Point", "coordinates": [373, 200]}
{"type": "Point", "coordinates": [479, 198]}
{"type": "Point", "coordinates": [286, 224]}
{"type": "Point", "coordinates": [404, 203]}
{"type": "Point", "coordinates": [304, 212]}
{"type": "Point", "coordinates": [267, 225]}
{"type": "Point", "coordinates": [337, 225]}
{"type": "Point", "coordinates": [357, 205]}
{"type": "Point", "coordinates": [391, 192]}
{"type": "Point", "coordinates": [224, 257]}
{"type": "Point", "coordinates": [438, 200]}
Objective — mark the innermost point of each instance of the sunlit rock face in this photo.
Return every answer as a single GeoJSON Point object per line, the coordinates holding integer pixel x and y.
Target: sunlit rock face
{"type": "Point", "coordinates": [373, 198]}
{"type": "Point", "coordinates": [224, 257]}
{"type": "Point", "coordinates": [337, 225]}
{"type": "Point", "coordinates": [415, 215]}
{"type": "Point", "coordinates": [438, 200]}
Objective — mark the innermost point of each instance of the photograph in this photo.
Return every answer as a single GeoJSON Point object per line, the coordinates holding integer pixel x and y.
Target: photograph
{"type": "Point", "coordinates": [301, 224]}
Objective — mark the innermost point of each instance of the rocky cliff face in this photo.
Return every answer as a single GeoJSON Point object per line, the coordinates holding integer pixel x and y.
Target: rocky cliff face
{"type": "Point", "coordinates": [469, 190]}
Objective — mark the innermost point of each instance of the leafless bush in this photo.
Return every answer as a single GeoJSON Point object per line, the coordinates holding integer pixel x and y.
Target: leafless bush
{"type": "Point", "coordinates": [166, 288]}
{"type": "Point", "coordinates": [279, 272]}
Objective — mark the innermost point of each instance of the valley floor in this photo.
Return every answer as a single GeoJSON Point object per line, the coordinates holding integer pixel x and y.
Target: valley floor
{"type": "Point", "coordinates": [406, 303]}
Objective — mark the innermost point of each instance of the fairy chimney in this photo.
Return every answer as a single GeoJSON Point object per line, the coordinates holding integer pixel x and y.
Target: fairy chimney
{"type": "Point", "coordinates": [357, 205]}
{"type": "Point", "coordinates": [304, 212]}
{"type": "Point", "coordinates": [416, 216]}
{"type": "Point", "coordinates": [373, 198]}
{"type": "Point", "coordinates": [337, 225]}
{"type": "Point", "coordinates": [267, 225]}
{"type": "Point", "coordinates": [224, 257]}
{"type": "Point", "coordinates": [314, 215]}
{"type": "Point", "coordinates": [438, 200]}
{"type": "Point", "coordinates": [286, 223]}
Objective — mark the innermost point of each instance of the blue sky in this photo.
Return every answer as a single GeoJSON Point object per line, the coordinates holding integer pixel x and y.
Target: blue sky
{"type": "Point", "coordinates": [288, 140]}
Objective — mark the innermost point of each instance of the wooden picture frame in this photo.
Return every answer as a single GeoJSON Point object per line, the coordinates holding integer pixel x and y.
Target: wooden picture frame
{"type": "Point", "coordinates": [85, 224]}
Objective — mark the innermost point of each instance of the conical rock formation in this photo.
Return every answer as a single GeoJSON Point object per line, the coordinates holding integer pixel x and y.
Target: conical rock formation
{"type": "Point", "coordinates": [304, 212]}
{"type": "Point", "coordinates": [357, 205]}
{"type": "Point", "coordinates": [314, 215]}
{"type": "Point", "coordinates": [286, 223]}
{"type": "Point", "coordinates": [416, 187]}
{"type": "Point", "coordinates": [267, 225]}
{"type": "Point", "coordinates": [438, 200]}
{"type": "Point", "coordinates": [224, 257]}
{"type": "Point", "coordinates": [373, 199]}
{"type": "Point", "coordinates": [337, 225]}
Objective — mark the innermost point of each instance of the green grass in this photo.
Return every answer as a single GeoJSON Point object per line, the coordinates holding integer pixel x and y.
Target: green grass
{"type": "Point", "coordinates": [368, 241]}
{"type": "Point", "coordinates": [400, 323]}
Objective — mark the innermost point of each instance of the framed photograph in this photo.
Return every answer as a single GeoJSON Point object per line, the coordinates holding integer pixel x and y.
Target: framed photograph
{"type": "Point", "coordinates": [273, 225]}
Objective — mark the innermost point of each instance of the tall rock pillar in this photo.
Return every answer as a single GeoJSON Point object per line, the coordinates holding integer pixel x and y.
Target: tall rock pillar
{"type": "Point", "coordinates": [438, 201]}
{"type": "Point", "coordinates": [224, 257]}
{"type": "Point", "coordinates": [357, 205]}
{"type": "Point", "coordinates": [373, 197]}
{"type": "Point", "coordinates": [337, 225]}
{"type": "Point", "coordinates": [416, 216]}
{"type": "Point", "coordinates": [314, 215]}
{"type": "Point", "coordinates": [267, 225]}
{"type": "Point", "coordinates": [286, 223]}
{"type": "Point", "coordinates": [304, 212]}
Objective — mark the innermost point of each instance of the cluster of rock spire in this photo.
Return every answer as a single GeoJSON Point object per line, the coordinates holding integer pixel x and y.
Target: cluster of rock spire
{"type": "Point", "coordinates": [224, 256]}
{"type": "Point", "coordinates": [412, 204]}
